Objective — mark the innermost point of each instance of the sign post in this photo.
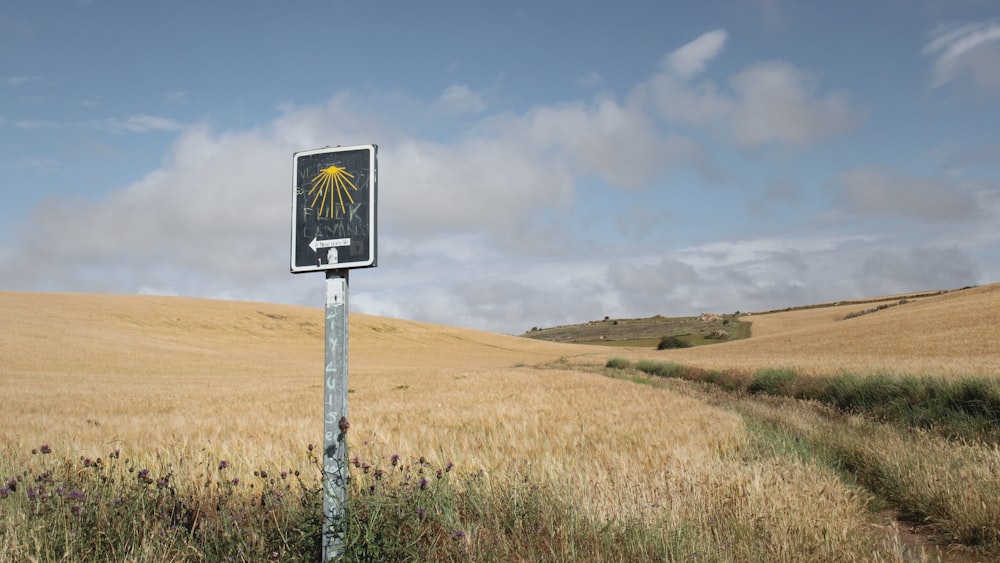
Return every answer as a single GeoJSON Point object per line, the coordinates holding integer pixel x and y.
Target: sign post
{"type": "Point", "coordinates": [333, 230]}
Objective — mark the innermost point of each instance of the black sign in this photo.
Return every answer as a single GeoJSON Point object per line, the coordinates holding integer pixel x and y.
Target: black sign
{"type": "Point", "coordinates": [333, 216]}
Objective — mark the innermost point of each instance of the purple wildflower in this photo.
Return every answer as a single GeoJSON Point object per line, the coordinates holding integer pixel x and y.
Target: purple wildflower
{"type": "Point", "coordinates": [77, 510]}
{"type": "Point", "coordinates": [395, 460]}
{"type": "Point", "coordinates": [421, 513]}
{"type": "Point", "coordinates": [458, 535]}
{"type": "Point", "coordinates": [223, 464]}
{"type": "Point", "coordinates": [4, 492]}
{"type": "Point", "coordinates": [423, 483]}
{"type": "Point", "coordinates": [76, 495]}
{"type": "Point", "coordinates": [46, 449]}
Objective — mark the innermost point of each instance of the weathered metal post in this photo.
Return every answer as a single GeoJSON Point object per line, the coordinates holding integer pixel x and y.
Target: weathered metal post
{"type": "Point", "coordinates": [335, 421]}
{"type": "Point", "coordinates": [333, 230]}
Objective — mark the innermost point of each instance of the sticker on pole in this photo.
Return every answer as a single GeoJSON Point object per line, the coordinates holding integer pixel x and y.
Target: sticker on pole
{"type": "Point", "coordinates": [333, 213]}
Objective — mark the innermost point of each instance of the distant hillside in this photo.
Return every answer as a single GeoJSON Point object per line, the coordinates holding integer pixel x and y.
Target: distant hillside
{"type": "Point", "coordinates": [941, 333]}
{"type": "Point", "coordinates": [77, 334]}
{"type": "Point", "coordinates": [66, 333]}
{"type": "Point", "coordinates": [704, 329]}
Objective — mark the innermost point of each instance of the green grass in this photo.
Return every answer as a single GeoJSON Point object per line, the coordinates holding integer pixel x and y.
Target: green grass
{"type": "Point", "coordinates": [955, 407]}
{"type": "Point", "coordinates": [924, 447]}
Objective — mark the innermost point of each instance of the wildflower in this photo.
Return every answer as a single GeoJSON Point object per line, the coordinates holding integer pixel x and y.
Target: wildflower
{"type": "Point", "coordinates": [45, 449]}
{"type": "Point", "coordinates": [115, 454]}
{"type": "Point", "coordinates": [31, 493]}
{"type": "Point", "coordinates": [355, 461]}
{"type": "Point", "coordinates": [77, 495]}
{"type": "Point", "coordinates": [440, 474]}
{"type": "Point", "coordinates": [395, 460]}
{"type": "Point", "coordinates": [12, 485]}
{"type": "Point", "coordinates": [423, 483]}
{"type": "Point", "coordinates": [235, 481]}
{"type": "Point", "coordinates": [458, 535]}
{"type": "Point", "coordinates": [449, 467]}
{"type": "Point", "coordinates": [163, 482]}
{"type": "Point", "coordinates": [144, 477]}
{"type": "Point", "coordinates": [284, 474]}
{"type": "Point", "coordinates": [4, 492]}
{"type": "Point", "coordinates": [87, 462]}
{"type": "Point", "coordinates": [223, 464]}
{"type": "Point", "coordinates": [77, 510]}
{"type": "Point", "coordinates": [421, 513]}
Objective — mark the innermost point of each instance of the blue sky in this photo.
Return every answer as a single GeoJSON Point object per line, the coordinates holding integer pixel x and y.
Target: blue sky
{"type": "Point", "coordinates": [540, 163]}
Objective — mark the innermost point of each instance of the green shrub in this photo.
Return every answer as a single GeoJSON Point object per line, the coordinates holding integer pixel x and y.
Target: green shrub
{"type": "Point", "coordinates": [672, 342]}
{"type": "Point", "coordinates": [618, 363]}
{"type": "Point", "coordinates": [773, 382]}
{"type": "Point", "coordinates": [661, 369]}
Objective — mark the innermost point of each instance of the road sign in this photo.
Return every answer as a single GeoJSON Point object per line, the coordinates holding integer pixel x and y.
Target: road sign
{"type": "Point", "coordinates": [334, 208]}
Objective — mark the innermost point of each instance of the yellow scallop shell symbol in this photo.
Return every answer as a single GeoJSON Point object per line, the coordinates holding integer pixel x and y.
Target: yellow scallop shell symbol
{"type": "Point", "coordinates": [329, 188]}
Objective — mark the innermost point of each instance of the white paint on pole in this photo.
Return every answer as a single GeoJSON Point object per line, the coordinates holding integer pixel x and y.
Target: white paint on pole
{"type": "Point", "coordinates": [335, 421]}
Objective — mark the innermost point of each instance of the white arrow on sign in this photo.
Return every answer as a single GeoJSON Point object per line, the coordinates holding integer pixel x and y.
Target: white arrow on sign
{"type": "Point", "coordinates": [328, 243]}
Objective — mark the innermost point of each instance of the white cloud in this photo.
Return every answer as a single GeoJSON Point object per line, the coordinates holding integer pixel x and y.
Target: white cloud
{"type": "Point", "coordinates": [768, 102]}
{"type": "Point", "coordinates": [618, 142]}
{"type": "Point", "coordinates": [777, 103]}
{"type": "Point", "coordinates": [19, 80]}
{"type": "Point", "coordinates": [971, 49]}
{"type": "Point", "coordinates": [691, 59]}
{"type": "Point", "coordinates": [141, 123]}
{"type": "Point", "coordinates": [459, 99]}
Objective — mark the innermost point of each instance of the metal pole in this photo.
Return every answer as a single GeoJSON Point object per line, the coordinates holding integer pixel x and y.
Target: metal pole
{"type": "Point", "coordinates": [335, 425]}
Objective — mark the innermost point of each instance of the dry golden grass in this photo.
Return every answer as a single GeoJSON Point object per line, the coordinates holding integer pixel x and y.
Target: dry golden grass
{"type": "Point", "coordinates": [950, 334]}
{"type": "Point", "coordinates": [189, 378]}
{"type": "Point", "coordinates": [204, 380]}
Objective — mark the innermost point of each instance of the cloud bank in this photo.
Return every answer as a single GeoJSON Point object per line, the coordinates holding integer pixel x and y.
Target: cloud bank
{"type": "Point", "coordinates": [489, 228]}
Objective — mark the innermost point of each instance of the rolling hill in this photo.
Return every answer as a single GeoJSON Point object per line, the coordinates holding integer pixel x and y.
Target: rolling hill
{"type": "Point", "coordinates": [950, 333]}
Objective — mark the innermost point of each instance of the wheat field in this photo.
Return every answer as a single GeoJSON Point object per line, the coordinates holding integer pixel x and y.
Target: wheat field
{"type": "Point", "coordinates": [950, 334]}
{"type": "Point", "coordinates": [189, 379]}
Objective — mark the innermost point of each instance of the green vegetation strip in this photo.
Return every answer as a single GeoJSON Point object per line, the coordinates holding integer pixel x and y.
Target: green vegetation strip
{"type": "Point", "coordinates": [950, 485]}
{"type": "Point", "coordinates": [964, 407]}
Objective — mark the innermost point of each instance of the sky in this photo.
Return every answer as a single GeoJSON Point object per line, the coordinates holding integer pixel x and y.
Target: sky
{"type": "Point", "coordinates": [540, 163]}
